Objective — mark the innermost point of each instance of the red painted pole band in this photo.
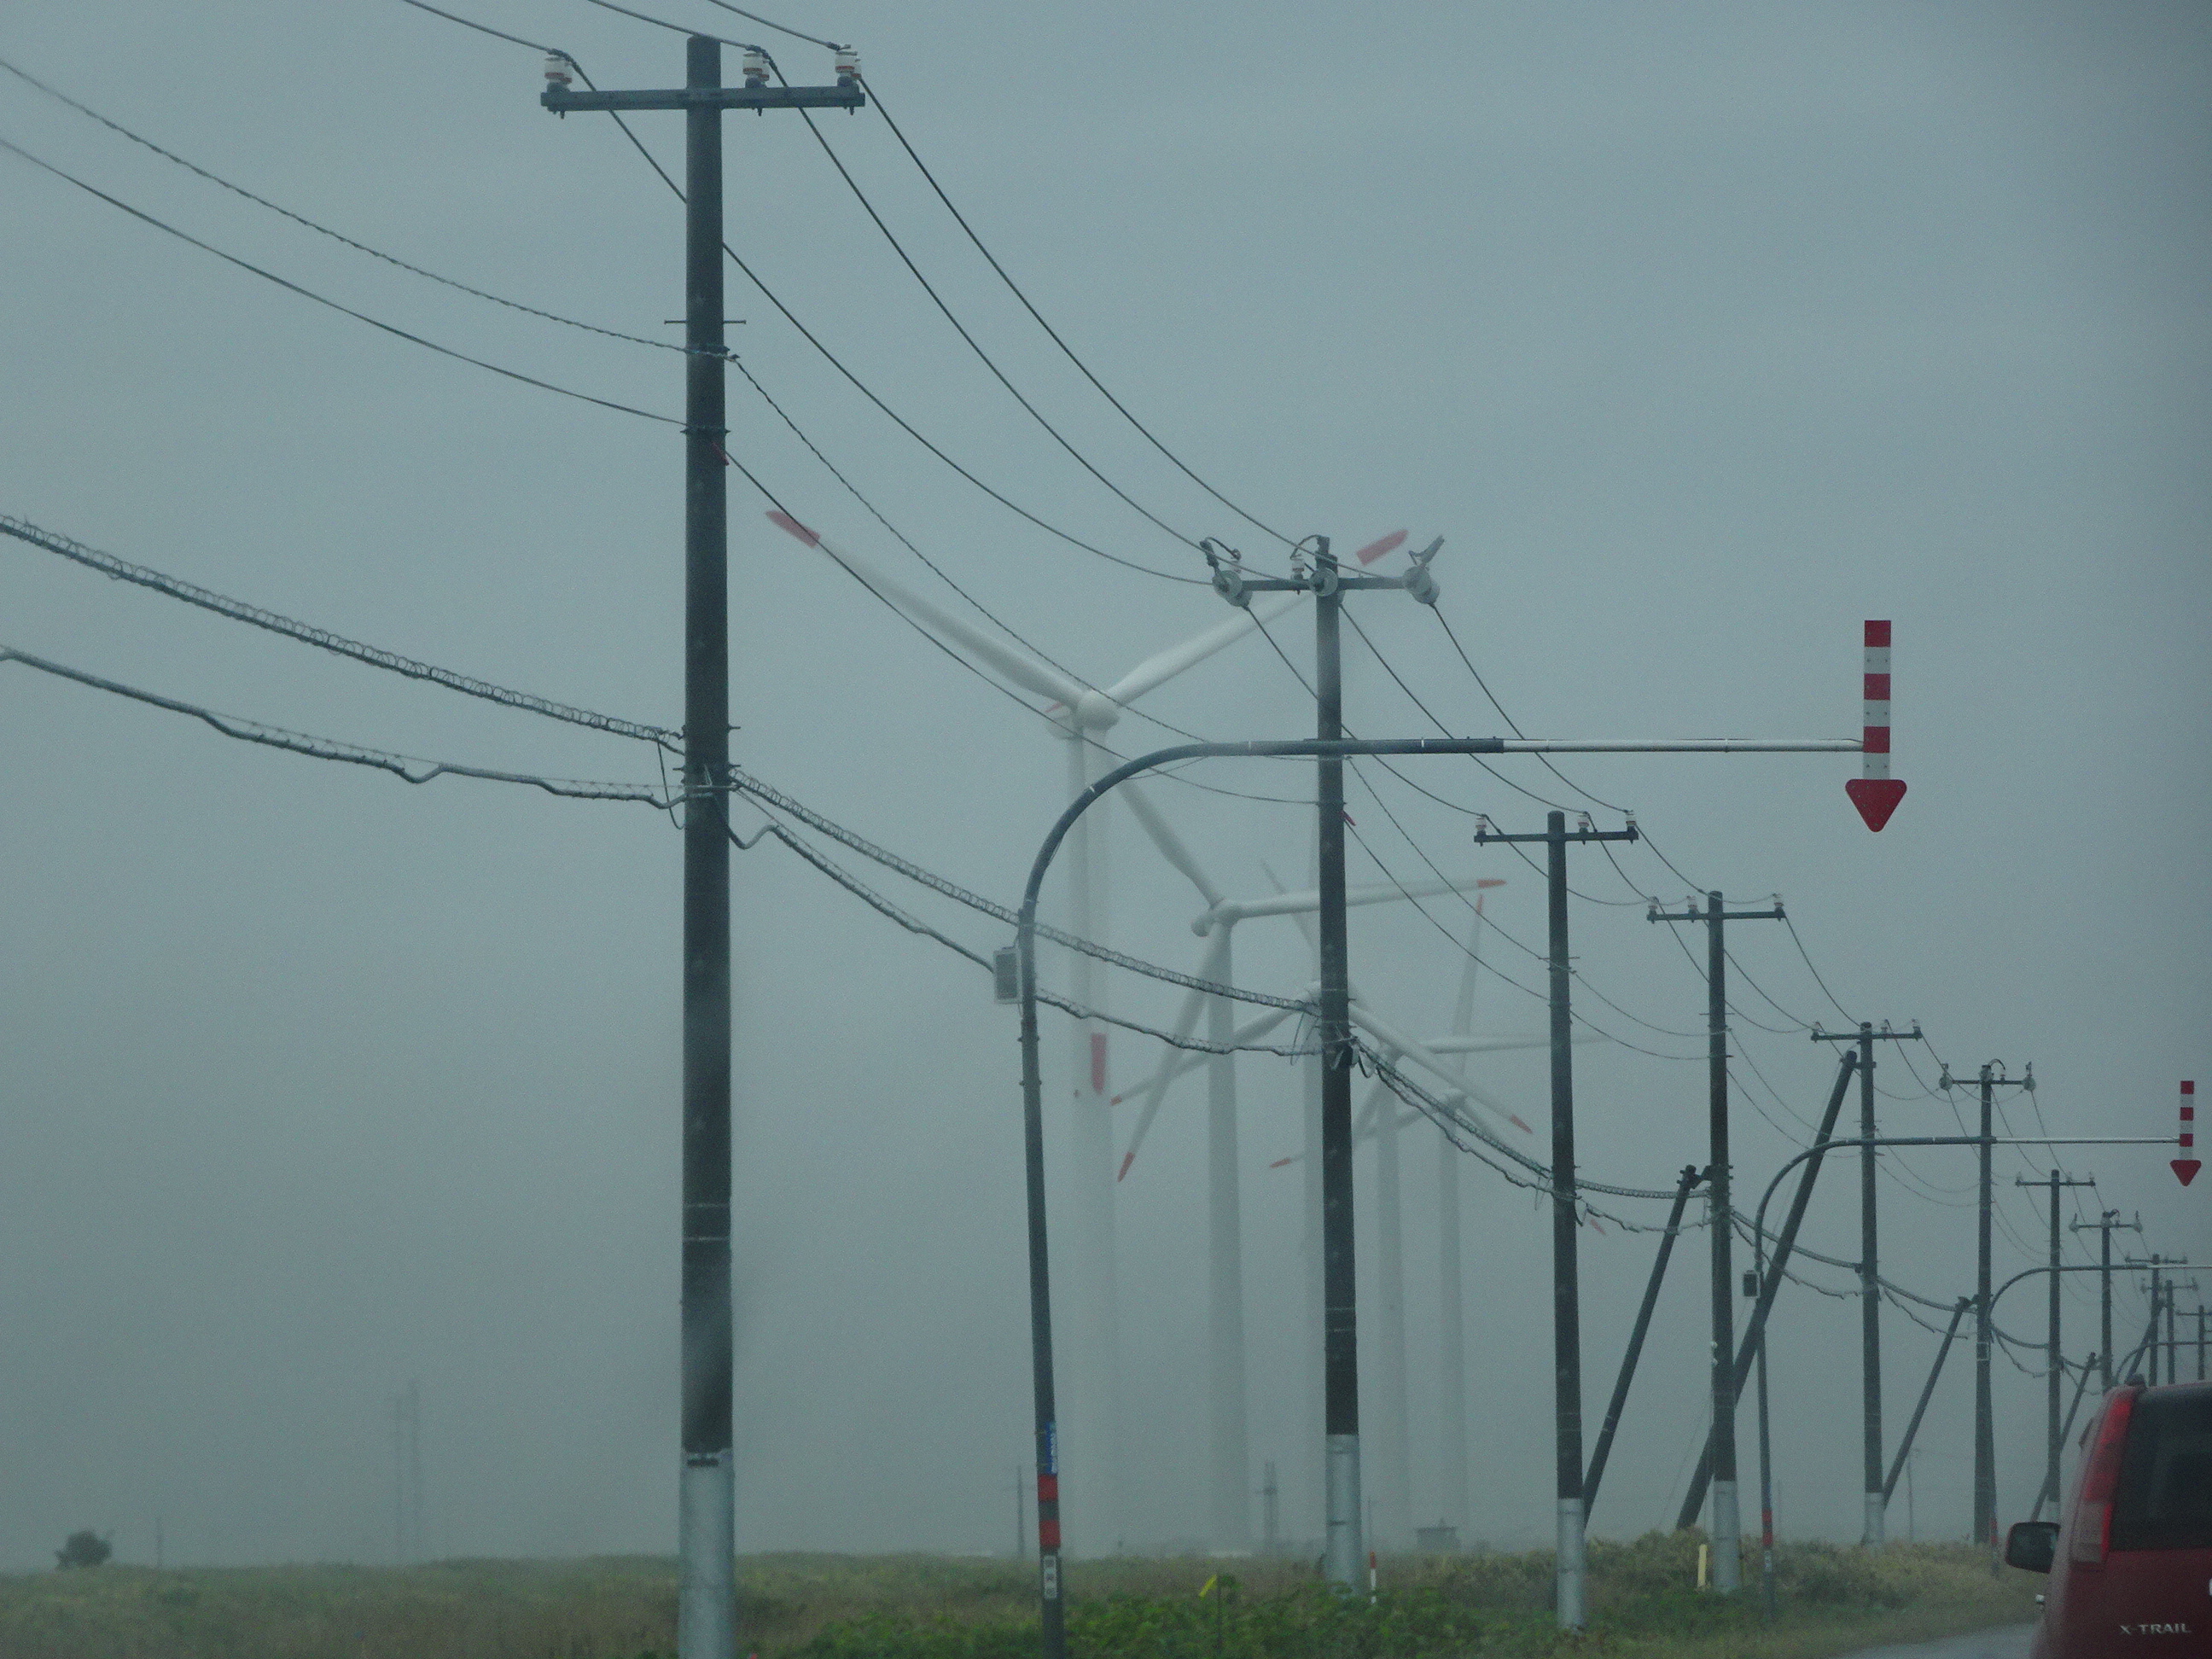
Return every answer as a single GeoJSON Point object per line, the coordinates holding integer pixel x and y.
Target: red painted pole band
{"type": "Point", "coordinates": [1875, 744]}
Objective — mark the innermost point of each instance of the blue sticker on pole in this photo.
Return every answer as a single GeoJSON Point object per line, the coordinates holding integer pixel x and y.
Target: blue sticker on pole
{"type": "Point", "coordinates": [1048, 1457]}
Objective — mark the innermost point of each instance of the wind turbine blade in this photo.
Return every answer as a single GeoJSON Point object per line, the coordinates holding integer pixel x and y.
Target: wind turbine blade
{"type": "Point", "coordinates": [1189, 1060]}
{"type": "Point", "coordinates": [1412, 1049]}
{"type": "Point", "coordinates": [1380, 892]}
{"type": "Point", "coordinates": [1374, 551]}
{"type": "Point", "coordinates": [1186, 1022]}
{"type": "Point", "coordinates": [1456, 1044]}
{"type": "Point", "coordinates": [1300, 913]}
{"type": "Point", "coordinates": [1463, 1009]}
{"type": "Point", "coordinates": [1018, 666]}
{"type": "Point", "coordinates": [1171, 845]}
{"type": "Point", "coordinates": [1166, 664]}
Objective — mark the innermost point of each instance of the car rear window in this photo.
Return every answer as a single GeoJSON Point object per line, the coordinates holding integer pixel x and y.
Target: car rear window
{"type": "Point", "coordinates": [2165, 1497]}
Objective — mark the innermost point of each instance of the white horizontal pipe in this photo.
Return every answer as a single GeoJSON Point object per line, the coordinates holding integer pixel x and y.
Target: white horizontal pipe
{"type": "Point", "coordinates": [1679, 745]}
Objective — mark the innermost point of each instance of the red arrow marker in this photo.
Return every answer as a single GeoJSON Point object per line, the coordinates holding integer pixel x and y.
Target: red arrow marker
{"type": "Point", "coordinates": [1874, 791]}
{"type": "Point", "coordinates": [1876, 797]}
{"type": "Point", "coordinates": [2186, 1168]}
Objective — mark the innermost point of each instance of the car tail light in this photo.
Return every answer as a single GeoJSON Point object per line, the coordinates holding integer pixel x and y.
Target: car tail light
{"type": "Point", "coordinates": [2092, 1510]}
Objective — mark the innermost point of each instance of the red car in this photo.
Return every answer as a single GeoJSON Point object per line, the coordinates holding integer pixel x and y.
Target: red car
{"type": "Point", "coordinates": [2130, 1564]}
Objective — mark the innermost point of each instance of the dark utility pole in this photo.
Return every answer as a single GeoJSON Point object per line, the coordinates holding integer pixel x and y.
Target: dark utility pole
{"type": "Point", "coordinates": [2105, 1225]}
{"type": "Point", "coordinates": [1566, 1288]}
{"type": "Point", "coordinates": [705, 1624]}
{"type": "Point", "coordinates": [1991, 1079]}
{"type": "Point", "coordinates": [1345, 1551]}
{"type": "Point", "coordinates": [1875, 1486]}
{"type": "Point", "coordinates": [2055, 1373]}
{"type": "Point", "coordinates": [1726, 1530]}
{"type": "Point", "coordinates": [2157, 1264]}
{"type": "Point", "coordinates": [2162, 1302]}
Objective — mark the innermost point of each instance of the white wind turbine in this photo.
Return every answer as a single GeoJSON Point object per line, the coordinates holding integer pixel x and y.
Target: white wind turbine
{"type": "Point", "coordinates": [1229, 1446]}
{"type": "Point", "coordinates": [1081, 712]}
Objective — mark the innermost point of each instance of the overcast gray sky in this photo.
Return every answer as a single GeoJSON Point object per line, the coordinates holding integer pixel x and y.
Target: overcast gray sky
{"type": "Point", "coordinates": [1700, 333]}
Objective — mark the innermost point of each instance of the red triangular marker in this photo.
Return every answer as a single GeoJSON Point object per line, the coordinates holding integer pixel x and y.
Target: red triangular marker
{"type": "Point", "coordinates": [1876, 797]}
{"type": "Point", "coordinates": [2186, 1168]}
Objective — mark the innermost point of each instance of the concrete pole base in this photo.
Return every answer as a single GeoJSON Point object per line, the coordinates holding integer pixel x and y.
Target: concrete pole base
{"type": "Point", "coordinates": [706, 1582]}
{"type": "Point", "coordinates": [1876, 1525]}
{"type": "Point", "coordinates": [1573, 1572]}
{"type": "Point", "coordinates": [1728, 1540]}
{"type": "Point", "coordinates": [1344, 1560]}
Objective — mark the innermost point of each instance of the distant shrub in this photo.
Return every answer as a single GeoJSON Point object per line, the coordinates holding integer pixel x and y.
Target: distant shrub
{"type": "Point", "coordinates": [83, 1549]}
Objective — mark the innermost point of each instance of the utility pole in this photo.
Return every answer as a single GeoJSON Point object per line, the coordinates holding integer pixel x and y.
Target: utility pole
{"type": "Point", "coordinates": [2055, 1373]}
{"type": "Point", "coordinates": [2105, 1226]}
{"type": "Point", "coordinates": [706, 1620]}
{"type": "Point", "coordinates": [1990, 1078]}
{"type": "Point", "coordinates": [1345, 1551]}
{"type": "Point", "coordinates": [2157, 1264]}
{"type": "Point", "coordinates": [1869, 1275]}
{"type": "Point", "coordinates": [1271, 1513]}
{"type": "Point", "coordinates": [2200, 1344]}
{"type": "Point", "coordinates": [1726, 1530]}
{"type": "Point", "coordinates": [1566, 1286]}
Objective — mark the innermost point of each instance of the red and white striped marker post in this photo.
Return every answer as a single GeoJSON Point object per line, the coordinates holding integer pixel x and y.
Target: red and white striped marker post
{"type": "Point", "coordinates": [2186, 1168]}
{"type": "Point", "coordinates": [1874, 791]}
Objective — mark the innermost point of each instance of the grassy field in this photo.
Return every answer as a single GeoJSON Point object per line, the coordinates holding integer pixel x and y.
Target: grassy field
{"type": "Point", "coordinates": [828, 1606]}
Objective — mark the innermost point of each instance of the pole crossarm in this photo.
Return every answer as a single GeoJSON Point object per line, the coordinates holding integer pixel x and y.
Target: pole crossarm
{"type": "Point", "coordinates": [845, 95]}
{"type": "Point", "coordinates": [1774, 915]}
{"type": "Point", "coordinates": [1484, 834]}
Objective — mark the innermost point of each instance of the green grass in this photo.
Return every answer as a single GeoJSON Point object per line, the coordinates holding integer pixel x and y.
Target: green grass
{"type": "Point", "coordinates": [830, 1607]}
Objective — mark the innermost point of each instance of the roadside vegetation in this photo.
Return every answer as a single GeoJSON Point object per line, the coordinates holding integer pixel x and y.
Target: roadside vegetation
{"type": "Point", "coordinates": [1643, 1606]}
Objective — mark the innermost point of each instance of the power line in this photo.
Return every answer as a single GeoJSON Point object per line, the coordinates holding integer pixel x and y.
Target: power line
{"type": "Point", "coordinates": [411, 768]}
{"type": "Point", "coordinates": [340, 236]}
{"type": "Point", "coordinates": [1485, 687]}
{"type": "Point", "coordinates": [979, 607]}
{"type": "Point", "coordinates": [1815, 973]}
{"type": "Point", "coordinates": [679, 28]}
{"type": "Point", "coordinates": [377, 656]}
{"type": "Point", "coordinates": [486, 29]}
{"type": "Point", "coordinates": [1052, 333]}
{"type": "Point", "coordinates": [766, 23]}
{"type": "Point", "coordinates": [1376, 652]}
{"type": "Point", "coordinates": [883, 906]}
{"type": "Point", "coordinates": [416, 771]}
{"type": "Point", "coordinates": [807, 334]}
{"type": "Point", "coordinates": [238, 610]}
{"type": "Point", "coordinates": [961, 329]}
{"type": "Point", "coordinates": [322, 299]}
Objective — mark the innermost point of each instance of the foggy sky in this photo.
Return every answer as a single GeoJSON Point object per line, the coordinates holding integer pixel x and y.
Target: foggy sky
{"type": "Point", "coordinates": [1700, 333]}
